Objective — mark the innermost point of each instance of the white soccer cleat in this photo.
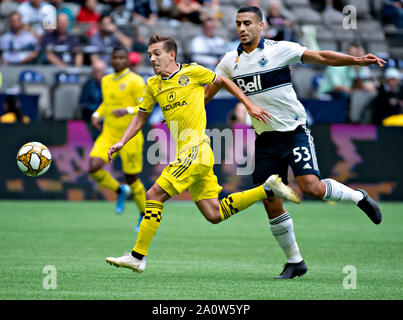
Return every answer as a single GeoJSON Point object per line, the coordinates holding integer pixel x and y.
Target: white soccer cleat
{"type": "Point", "coordinates": [128, 261]}
{"type": "Point", "coordinates": [280, 190]}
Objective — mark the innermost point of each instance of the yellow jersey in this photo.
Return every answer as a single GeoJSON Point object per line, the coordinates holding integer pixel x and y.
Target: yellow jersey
{"type": "Point", "coordinates": [119, 91]}
{"type": "Point", "coordinates": [181, 99]}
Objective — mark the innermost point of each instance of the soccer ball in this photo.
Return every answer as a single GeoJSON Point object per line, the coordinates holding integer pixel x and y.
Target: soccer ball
{"type": "Point", "coordinates": [34, 159]}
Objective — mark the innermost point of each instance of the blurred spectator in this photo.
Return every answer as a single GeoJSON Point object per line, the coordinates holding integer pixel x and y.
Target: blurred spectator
{"type": "Point", "coordinates": [340, 81]}
{"type": "Point", "coordinates": [320, 5]}
{"type": "Point", "coordinates": [389, 100]}
{"type": "Point", "coordinates": [392, 12]}
{"type": "Point", "coordinates": [18, 46]}
{"type": "Point", "coordinates": [135, 59]}
{"type": "Point", "coordinates": [108, 37]}
{"type": "Point", "coordinates": [88, 12]}
{"type": "Point", "coordinates": [118, 12]}
{"type": "Point", "coordinates": [91, 93]}
{"type": "Point", "coordinates": [60, 47]}
{"type": "Point", "coordinates": [280, 28]}
{"type": "Point", "coordinates": [190, 10]}
{"type": "Point", "coordinates": [62, 8]}
{"type": "Point", "coordinates": [145, 12]}
{"type": "Point", "coordinates": [212, 8]}
{"type": "Point", "coordinates": [139, 43]}
{"type": "Point", "coordinates": [207, 48]}
{"type": "Point", "coordinates": [34, 14]}
{"type": "Point", "coordinates": [167, 9]}
{"type": "Point", "coordinates": [13, 112]}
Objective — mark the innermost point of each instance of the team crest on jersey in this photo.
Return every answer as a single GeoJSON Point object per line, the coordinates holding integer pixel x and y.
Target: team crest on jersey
{"type": "Point", "coordinates": [263, 61]}
{"type": "Point", "coordinates": [122, 86]}
{"type": "Point", "coordinates": [183, 81]}
{"type": "Point", "coordinates": [236, 67]}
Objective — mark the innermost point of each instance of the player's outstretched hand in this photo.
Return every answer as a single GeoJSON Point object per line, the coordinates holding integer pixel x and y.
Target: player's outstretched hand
{"type": "Point", "coordinates": [369, 59]}
{"type": "Point", "coordinates": [259, 113]}
{"type": "Point", "coordinates": [115, 148]}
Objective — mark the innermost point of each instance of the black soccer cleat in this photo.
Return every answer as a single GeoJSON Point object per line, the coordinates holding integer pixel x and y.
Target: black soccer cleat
{"type": "Point", "coordinates": [369, 206]}
{"type": "Point", "coordinates": [292, 270]}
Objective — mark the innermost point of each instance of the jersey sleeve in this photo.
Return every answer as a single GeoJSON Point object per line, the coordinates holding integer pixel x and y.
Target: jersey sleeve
{"type": "Point", "coordinates": [290, 52]}
{"type": "Point", "coordinates": [203, 75]}
{"type": "Point", "coordinates": [148, 102]}
{"type": "Point", "coordinates": [223, 68]}
{"type": "Point", "coordinates": [138, 90]}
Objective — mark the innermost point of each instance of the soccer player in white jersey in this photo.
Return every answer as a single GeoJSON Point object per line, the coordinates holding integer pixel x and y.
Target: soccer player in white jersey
{"type": "Point", "coordinates": [261, 69]}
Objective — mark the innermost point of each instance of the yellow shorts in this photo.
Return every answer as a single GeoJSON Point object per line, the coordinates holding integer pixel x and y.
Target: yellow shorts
{"type": "Point", "coordinates": [193, 170]}
{"type": "Point", "coordinates": [131, 154]}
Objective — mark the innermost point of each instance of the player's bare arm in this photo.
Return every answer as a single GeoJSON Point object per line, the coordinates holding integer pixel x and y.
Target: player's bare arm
{"type": "Point", "coordinates": [332, 58]}
{"type": "Point", "coordinates": [134, 127]}
{"type": "Point", "coordinates": [96, 121]}
{"type": "Point", "coordinates": [253, 110]}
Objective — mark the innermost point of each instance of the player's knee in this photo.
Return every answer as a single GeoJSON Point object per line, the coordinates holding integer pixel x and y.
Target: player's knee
{"type": "Point", "coordinates": [214, 218]}
{"type": "Point", "coordinates": [95, 165]}
{"type": "Point", "coordinates": [130, 178]}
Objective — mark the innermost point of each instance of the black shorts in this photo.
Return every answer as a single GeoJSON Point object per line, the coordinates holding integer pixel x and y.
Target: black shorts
{"type": "Point", "coordinates": [275, 151]}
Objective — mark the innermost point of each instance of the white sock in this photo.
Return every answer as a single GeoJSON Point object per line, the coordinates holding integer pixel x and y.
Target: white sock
{"type": "Point", "coordinates": [282, 229]}
{"type": "Point", "coordinates": [337, 191]}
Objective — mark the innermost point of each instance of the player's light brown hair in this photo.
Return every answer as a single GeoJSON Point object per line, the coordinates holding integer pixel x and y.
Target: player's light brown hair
{"type": "Point", "coordinates": [168, 43]}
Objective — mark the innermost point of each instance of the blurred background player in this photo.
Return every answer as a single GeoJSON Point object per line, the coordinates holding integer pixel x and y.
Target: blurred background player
{"type": "Point", "coordinates": [122, 91]}
{"type": "Point", "coordinates": [261, 69]}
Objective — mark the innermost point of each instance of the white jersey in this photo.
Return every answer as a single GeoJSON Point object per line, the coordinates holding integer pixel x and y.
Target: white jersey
{"type": "Point", "coordinates": [264, 76]}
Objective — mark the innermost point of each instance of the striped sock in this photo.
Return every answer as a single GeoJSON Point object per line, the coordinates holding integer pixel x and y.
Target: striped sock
{"type": "Point", "coordinates": [336, 191]}
{"type": "Point", "coordinates": [149, 226]}
{"type": "Point", "coordinates": [239, 201]}
{"type": "Point", "coordinates": [282, 229]}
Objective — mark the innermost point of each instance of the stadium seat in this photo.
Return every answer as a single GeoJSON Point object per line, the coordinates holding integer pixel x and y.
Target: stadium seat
{"type": "Point", "coordinates": [296, 3]}
{"type": "Point", "coordinates": [229, 13]}
{"type": "Point", "coordinates": [302, 80]}
{"type": "Point", "coordinates": [66, 95]}
{"type": "Point", "coordinates": [307, 16]}
{"type": "Point", "coordinates": [396, 52]}
{"type": "Point", "coordinates": [7, 7]}
{"type": "Point", "coordinates": [331, 17]}
{"type": "Point", "coordinates": [33, 82]}
{"type": "Point", "coordinates": [328, 45]}
{"type": "Point", "coordinates": [323, 33]}
{"type": "Point", "coordinates": [372, 35]}
{"type": "Point", "coordinates": [362, 6]}
{"type": "Point", "coordinates": [377, 47]}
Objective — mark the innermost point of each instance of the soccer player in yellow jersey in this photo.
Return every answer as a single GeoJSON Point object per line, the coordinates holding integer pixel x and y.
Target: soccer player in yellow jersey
{"type": "Point", "coordinates": [179, 91]}
{"type": "Point", "coordinates": [122, 92]}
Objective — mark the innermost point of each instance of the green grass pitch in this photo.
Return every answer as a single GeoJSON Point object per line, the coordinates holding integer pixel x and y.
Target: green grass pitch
{"type": "Point", "coordinates": [192, 259]}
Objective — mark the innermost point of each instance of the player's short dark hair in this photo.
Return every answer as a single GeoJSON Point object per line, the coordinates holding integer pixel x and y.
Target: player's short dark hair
{"type": "Point", "coordinates": [253, 9]}
{"type": "Point", "coordinates": [120, 48]}
{"type": "Point", "coordinates": [168, 42]}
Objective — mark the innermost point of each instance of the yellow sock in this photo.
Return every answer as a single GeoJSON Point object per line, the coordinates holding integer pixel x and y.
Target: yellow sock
{"type": "Point", "coordinates": [149, 226]}
{"type": "Point", "coordinates": [104, 179]}
{"type": "Point", "coordinates": [139, 194]}
{"type": "Point", "coordinates": [239, 201]}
